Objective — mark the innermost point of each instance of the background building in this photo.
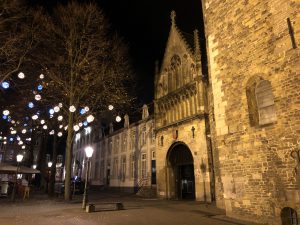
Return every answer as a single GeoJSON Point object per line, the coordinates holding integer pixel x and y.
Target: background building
{"type": "Point", "coordinates": [123, 159]}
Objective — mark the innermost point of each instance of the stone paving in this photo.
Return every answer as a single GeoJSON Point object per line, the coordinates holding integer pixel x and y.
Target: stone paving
{"type": "Point", "coordinates": [40, 210]}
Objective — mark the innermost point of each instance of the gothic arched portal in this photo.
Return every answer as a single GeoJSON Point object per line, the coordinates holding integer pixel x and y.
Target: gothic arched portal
{"type": "Point", "coordinates": [180, 172]}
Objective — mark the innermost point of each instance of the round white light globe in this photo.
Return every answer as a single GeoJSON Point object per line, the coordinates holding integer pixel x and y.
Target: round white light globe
{"type": "Point", "coordinates": [21, 75]}
{"type": "Point", "coordinates": [110, 107]}
{"type": "Point", "coordinates": [118, 119]}
{"type": "Point", "coordinates": [45, 127]}
{"type": "Point", "coordinates": [59, 134]}
{"type": "Point", "coordinates": [72, 108]}
{"type": "Point", "coordinates": [42, 76]}
{"type": "Point", "coordinates": [76, 128]}
{"type": "Point", "coordinates": [90, 118]}
{"type": "Point", "coordinates": [56, 109]}
{"type": "Point", "coordinates": [60, 118]}
{"type": "Point", "coordinates": [5, 112]}
{"type": "Point", "coordinates": [37, 97]}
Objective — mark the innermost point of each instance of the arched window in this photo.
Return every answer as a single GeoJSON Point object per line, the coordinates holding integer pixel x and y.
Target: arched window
{"type": "Point", "coordinates": [265, 102]}
{"type": "Point", "coordinates": [289, 216]}
{"type": "Point", "coordinates": [175, 67]}
{"type": "Point", "coordinates": [261, 103]}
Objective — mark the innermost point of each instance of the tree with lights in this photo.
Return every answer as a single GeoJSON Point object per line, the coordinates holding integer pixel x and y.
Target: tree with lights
{"type": "Point", "coordinates": [17, 37]}
{"type": "Point", "coordinates": [86, 67]}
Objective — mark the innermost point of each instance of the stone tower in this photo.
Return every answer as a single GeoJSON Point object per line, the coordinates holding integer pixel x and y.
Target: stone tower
{"type": "Point", "coordinates": [183, 160]}
{"type": "Point", "coordinates": [254, 69]}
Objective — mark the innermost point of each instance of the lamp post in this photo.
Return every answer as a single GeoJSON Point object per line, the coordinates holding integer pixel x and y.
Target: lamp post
{"type": "Point", "coordinates": [88, 152]}
{"type": "Point", "coordinates": [19, 159]}
{"type": "Point", "coordinates": [48, 174]}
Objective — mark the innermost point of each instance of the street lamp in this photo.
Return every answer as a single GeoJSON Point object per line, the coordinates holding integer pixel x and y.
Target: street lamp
{"type": "Point", "coordinates": [19, 159]}
{"type": "Point", "coordinates": [88, 152]}
{"type": "Point", "coordinates": [48, 178]}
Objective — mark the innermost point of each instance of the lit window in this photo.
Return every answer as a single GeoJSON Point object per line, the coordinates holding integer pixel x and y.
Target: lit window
{"type": "Point", "coordinates": [88, 130]}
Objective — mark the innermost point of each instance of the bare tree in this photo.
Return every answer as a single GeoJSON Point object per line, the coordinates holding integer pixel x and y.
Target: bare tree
{"type": "Point", "coordinates": [83, 62]}
{"type": "Point", "coordinates": [17, 30]}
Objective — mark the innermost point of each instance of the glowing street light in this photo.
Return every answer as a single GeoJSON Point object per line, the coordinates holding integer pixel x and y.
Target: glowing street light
{"type": "Point", "coordinates": [19, 159]}
{"type": "Point", "coordinates": [88, 152]}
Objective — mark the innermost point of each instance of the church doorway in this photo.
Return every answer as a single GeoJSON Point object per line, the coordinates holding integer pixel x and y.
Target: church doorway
{"type": "Point", "coordinates": [180, 172]}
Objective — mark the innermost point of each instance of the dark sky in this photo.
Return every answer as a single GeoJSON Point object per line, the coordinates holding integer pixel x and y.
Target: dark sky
{"type": "Point", "coordinates": [145, 25]}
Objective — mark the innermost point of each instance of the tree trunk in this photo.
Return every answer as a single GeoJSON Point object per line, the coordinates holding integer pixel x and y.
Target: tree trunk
{"type": "Point", "coordinates": [68, 160]}
{"type": "Point", "coordinates": [53, 168]}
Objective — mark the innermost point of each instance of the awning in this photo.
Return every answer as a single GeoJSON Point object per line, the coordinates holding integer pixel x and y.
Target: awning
{"type": "Point", "coordinates": [7, 169]}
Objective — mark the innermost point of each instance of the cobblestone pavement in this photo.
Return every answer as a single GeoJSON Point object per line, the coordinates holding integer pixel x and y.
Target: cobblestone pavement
{"type": "Point", "coordinates": [39, 210]}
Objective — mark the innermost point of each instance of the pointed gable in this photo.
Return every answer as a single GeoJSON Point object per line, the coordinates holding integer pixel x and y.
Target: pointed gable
{"type": "Point", "coordinates": [178, 58]}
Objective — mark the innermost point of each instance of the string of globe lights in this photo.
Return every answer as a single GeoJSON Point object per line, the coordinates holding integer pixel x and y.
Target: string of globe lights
{"type": "Point", "coordinates": [37, 118]}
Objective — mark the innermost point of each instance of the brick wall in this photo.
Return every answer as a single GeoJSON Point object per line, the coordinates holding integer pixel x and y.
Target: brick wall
{"type": "Point", "coordinates": [250, 39]}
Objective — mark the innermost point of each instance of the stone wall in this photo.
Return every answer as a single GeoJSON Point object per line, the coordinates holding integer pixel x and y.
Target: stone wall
{"type": "Point", "coordinates": [250, 39]}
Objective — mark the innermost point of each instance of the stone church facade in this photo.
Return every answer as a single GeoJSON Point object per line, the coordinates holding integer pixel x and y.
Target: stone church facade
{"type": "Point", "coordinates": [232, 135]}
{"type": "Point", "coordinates": [183, 158]}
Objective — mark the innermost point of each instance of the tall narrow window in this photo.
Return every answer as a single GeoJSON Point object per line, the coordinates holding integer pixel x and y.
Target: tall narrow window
{"type": "Point", "coordinates": [289, 216]}
{"type": "Point", "coordinates": [144, 165]}
{"type": "Point", "coordinates": [116, 168]}
{"type": "Point", "coordinates": [265, 103]}
{"type": "Point", "coordinates": [132, 165]}
{"type": "Point", "coordinates": [123, 168]}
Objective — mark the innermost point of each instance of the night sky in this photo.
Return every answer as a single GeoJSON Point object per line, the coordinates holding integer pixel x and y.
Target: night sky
{"type": "Point", "coordinates": [145, 25]}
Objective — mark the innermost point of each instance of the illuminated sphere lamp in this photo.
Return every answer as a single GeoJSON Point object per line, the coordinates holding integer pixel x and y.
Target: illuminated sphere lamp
{"type": "Point", "coordinates": [40, 87]}
{"type": "Point", "coordinates": [23, 146]}
{"type": "Point", "coordinates": [72, 108]}
{"type": "Point", "coordinates": [19, 158]}
{"type": "Point", "coordinates": [37, 97]}
{"type": "Point", "coordinates": [50, 164]}
{"type": "Point", "coordinates": [110, 107]}
{"type": "Point", "coordinates": [56, 109]}
{"type": "Point", "coordinates": [5, 84]}
{"type": "Point", "coordinates": [60, 118]}
{"type": "Point", "coordinates": [30, 105]}
{"type": "Point", "coordinates": [4, 117]}
{"type": "Point", "coordinates": [86, 108]}
{"type": "Point", "coordinates": [90, 118]}
{"type": "Point", "coordinates": [59, 134]}
{"type": "Point", "coordinates": [42, 76]}
{"type": "Point", "coordinates": [51, 111]}
{"type": "Point", "coordinates": [21, 75]}
{"type": "Point", "coordinates": [118, 118]}
{"type": "Point", "coordinates": [42, 121]}
{"type": "Point", "coordinates": [89, 151]}
{"type": "Point", "coordinates": [24, 131]}
{"type": "Point", "coordinates": [35, 117]}
{"type": "Point", "coordinates": [85, 123]}
{"type": "Point", "coordinates": [76, 128]}
{"type": "Point", "coordinates": [5, 112]}
{"type": "Point", "coordinates": [45, 127]}
{"type": "Point", "coordinates": [82, 111]}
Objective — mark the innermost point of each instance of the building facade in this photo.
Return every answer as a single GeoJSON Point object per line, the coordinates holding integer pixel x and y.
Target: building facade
{"type": "Point", "coordinates": [184, 168]}
{"type": "Point", "coordinates": [253, 54]}
{"type": "Point", "coordinates": [232, 135]}
{"type": "Point", "coordinates": [123, 160]}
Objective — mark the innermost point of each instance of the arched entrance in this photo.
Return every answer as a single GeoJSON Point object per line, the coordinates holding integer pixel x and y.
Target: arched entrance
{"type": "Point", "coordinates": [180, 172]}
